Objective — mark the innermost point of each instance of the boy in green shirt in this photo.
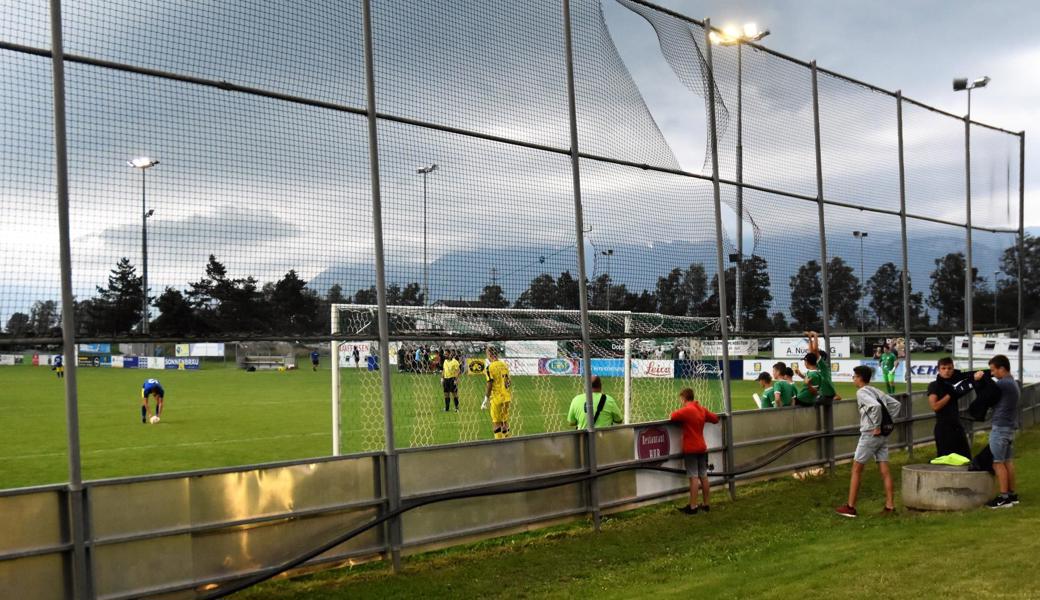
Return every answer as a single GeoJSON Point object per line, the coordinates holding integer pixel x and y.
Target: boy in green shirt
{"type": "Point", "coordinates": [818, 386]}
{"type": "Point", "coordinates": [769, 398]}
{"type": "Point", "coordinates": [782, 386]}
{"type": "Point", "coordinates": [888, 361]}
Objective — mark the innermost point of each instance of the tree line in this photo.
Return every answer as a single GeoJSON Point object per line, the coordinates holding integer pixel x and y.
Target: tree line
{"type": "Point", "coordinates": [220, 304]}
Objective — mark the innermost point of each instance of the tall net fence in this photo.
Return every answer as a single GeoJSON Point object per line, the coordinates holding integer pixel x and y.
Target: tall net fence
{"type": "Point", "coordinates": [249, 216]}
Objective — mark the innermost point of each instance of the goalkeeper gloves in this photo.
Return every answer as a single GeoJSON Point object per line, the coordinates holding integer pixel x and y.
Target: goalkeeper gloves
{"type": "Point", "coordinates": [484, 404]}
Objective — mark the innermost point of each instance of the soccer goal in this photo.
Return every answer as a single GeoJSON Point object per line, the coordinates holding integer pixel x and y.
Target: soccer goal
{"type": "Point", "coordinates": [642, 359]}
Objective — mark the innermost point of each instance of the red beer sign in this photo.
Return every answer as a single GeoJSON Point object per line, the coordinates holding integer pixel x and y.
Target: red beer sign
{"type": "Point", "coordinates": [652, 442]}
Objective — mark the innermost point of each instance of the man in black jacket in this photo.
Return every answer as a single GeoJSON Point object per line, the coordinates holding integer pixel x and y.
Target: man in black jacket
{"type": "Point", "coordinates": [943, 396]}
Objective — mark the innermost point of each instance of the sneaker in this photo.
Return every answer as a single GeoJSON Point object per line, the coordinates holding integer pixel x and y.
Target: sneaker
{"type": "Point", "coordinates": [1014, 497]}
{"type": "Point", "coordinates": [846, 511]}
{"type": "Point", "coordinates": [688, 510]}
{"type": "Point", "coordinates": [456, 409]}
{"type": "Point", "coordinates": [887, 512]}
{"type": "Point", "coordinates": [1001, 501]}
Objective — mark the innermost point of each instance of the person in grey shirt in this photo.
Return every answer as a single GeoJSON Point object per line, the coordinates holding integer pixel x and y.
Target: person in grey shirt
{"type": "Point", "coordinates": [1002, 436]}
{"type": "Point", "coordinates": [872, 442]}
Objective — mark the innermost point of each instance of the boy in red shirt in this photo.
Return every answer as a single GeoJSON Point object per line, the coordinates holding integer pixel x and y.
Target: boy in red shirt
{"type": "Point", "coordinates": [692, 416]}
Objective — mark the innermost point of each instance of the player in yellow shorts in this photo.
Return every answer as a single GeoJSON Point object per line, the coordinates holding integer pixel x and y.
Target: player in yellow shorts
{"type": "Point", "coordinates": [499, 392]}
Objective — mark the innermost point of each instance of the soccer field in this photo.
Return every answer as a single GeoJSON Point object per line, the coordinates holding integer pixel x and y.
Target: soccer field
{"type": "Point", "coordinates": [222, 416]}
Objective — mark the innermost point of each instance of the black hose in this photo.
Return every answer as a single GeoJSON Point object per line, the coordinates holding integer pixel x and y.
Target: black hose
{"type": "Point", "coordinates": [494, 490]}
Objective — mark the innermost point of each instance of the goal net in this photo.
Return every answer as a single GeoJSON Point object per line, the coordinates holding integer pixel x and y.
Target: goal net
{"type": "Point", "coordinates": [642, 359]}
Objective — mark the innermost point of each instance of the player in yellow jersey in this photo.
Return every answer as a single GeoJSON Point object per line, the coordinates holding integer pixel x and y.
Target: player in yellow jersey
{"type": "Point", "coordinates": [450, 370]}
{"type": "Point", "coordinates": [499, 392]}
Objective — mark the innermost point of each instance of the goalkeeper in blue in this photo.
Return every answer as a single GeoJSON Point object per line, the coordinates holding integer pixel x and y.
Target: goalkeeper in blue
{"type": "Point", "coordinates": [151, 387]}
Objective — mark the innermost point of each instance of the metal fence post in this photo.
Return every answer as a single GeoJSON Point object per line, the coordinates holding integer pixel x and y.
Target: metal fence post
{"type": "Point", "coordinates": [393, 479]}
{"type": "Point", "coordinates": [969, 279]}
{"type": "Point", "coordinates": [1021, 253]}
{"type": "Point", "coordinates": [583, 298]}
{"type": "Point", "coordinates": [82, 584]}
{"type": "Point", "coordinates": [828, 408]}
{"type": "Point", "coordinates": [713, 131]}
{"type": "Point", "coordinates": [908, 376]}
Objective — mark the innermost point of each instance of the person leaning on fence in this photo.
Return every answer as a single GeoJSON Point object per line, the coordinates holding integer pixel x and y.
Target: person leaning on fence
{"type": "Point", "coordinates": [943, 395]}
{"type": "Point", "coordinates": [692, 417]}
{"type": "Point", "coordinates": [877, 410]}
{"type": "Point", "coordinates": [1002, 436]}
{"type": "Point", "coordinates": [604, 408]}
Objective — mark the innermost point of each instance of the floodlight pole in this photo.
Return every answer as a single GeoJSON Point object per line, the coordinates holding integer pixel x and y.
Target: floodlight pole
{"type": "Point", "coordinates": [969, 321]}
{"type": "Point", "coordinates": [1021, 255]}
{"type": "Point", "coordinates": [727, 397]}
{"type": "Point", "coordinates": [82, 581]}
{"type": "Point", "coordinates": [583, 298]}
{"type": "Point", "coordinates": [828, 409]}
{"type": "Point", "coordinates": [393, 490]}
{"type": "Point", "coordinates": [424, 171]}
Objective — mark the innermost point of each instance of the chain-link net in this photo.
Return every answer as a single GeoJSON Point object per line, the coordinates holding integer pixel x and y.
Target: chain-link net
{"type": "Point", "coordinates": [245, 211]}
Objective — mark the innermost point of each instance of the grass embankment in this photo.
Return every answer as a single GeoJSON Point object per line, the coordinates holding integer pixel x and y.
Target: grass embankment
{"type": "Point", "coordinates": [780, 539]}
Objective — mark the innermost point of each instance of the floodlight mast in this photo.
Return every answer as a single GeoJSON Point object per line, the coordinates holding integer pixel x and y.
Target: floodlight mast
{"type": "Point", "coordinates": [737, 36]}
{"type": "Point", "coordinates": [144, 163]}
{"type": "Point", "coordinates": [424, 171]}
{"type": "Point", "coordinates": [961, 84]}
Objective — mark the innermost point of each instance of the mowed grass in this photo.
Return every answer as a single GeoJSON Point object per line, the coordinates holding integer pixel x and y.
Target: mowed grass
{"type": "Point", "coordinates": [222, 416]}
{"type": "Point", "coordinates": [779, 539]}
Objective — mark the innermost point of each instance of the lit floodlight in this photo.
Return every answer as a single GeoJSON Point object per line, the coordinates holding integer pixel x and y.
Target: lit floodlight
{"type": "Point", "coordinates": [142, 162]}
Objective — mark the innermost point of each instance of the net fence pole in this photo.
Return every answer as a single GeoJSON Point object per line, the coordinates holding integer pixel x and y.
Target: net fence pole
{"type": "Point", "coordinates": [337, 428]}
{"type": "Point", "coordinates": [81, 573]}
{"type": "Point", "coordinates": [393, 491]}
{"type": "Point", "coordinates": [727, 397]}
{"type": "Point", "coordinates": [1021, 254]}
{"type": "Point", "coordinates": [583, 299]}
{"type": "Point", "coordinates": [969, 321]}
{"type": "Point", "coordinates": [738, 291]}
{"type": "Point", "coordinates": [827, 408]}
{"type": "Point", "coordinates": [628, 369]}
{"type": "Point", "coordinates": [908, 410]}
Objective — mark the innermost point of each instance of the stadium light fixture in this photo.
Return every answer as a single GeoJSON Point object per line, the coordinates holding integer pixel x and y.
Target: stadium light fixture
{"type": "Point", "coordinates": [732, 35]}
{"type": "Point", "coordinates": [963, 84]}
{"type": "Point", "coordinates": [424, 171]}
{"type": "Point", "coordinates": [144, 163]}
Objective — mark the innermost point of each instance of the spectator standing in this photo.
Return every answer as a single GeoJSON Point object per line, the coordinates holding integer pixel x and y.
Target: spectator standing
{"type": "Point", "coordinates": [692, 416]}
{"type": "Point", "coordinates": [1002, 436]}
{"type": "Point", "coordinates": [873, 440]}
{"type": "Point", "coordinates": [943, 394]}
{"type": "Point", "coordinates": [604, 408]}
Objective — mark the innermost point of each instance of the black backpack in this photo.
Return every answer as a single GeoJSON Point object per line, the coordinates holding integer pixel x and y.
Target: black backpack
{"type": "Point", "coordinates": [887, 424]}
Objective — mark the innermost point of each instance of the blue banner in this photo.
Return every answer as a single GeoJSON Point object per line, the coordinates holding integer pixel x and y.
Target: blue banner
{"type": "Point", "coordinates": [182, 363]}
{"type": "Point", "coordinates": [95, 348]}
{"type": "Point", "coordinates": [705, 369]}
{"type": "Point", "coordinates": [130, 362]}
{"type": "Point", "coordinates": [608, 367]}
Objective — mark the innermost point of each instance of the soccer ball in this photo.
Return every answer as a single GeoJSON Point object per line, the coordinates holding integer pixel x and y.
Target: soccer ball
{"type": "Point", "coordinates": [154, 419]}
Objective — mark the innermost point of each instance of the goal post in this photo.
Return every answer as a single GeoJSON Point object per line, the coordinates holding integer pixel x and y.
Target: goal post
{"type": "Point", "coordinates": [643, 360]}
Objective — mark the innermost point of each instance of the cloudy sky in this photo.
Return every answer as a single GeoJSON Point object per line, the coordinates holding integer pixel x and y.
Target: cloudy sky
{"type": "Point", "coordinates": [268, 185]}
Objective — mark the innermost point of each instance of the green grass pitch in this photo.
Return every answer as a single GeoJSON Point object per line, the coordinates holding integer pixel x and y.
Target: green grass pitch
{"type": "Point", "coordinates": [222, 416]}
